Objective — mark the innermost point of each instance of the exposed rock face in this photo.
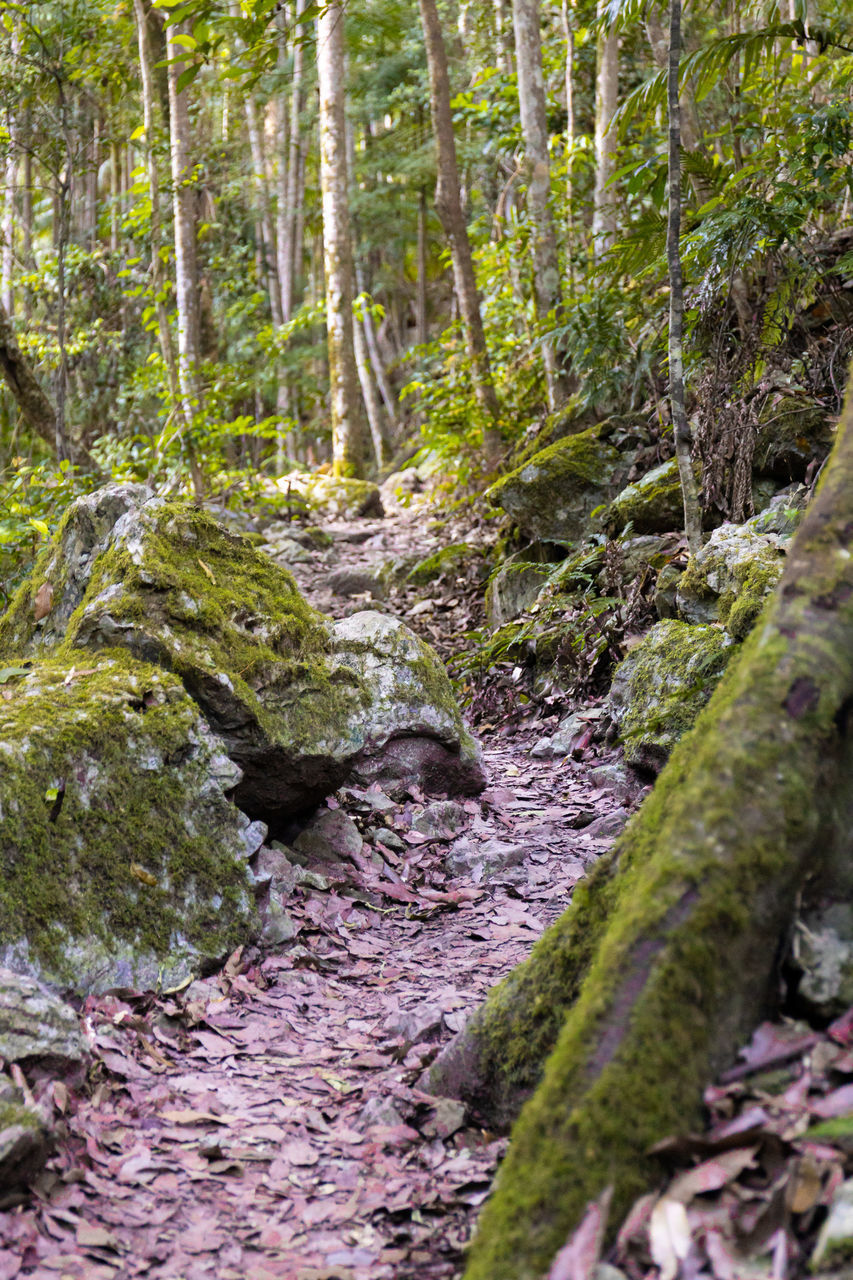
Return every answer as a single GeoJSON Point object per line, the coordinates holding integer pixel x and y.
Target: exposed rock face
{"type": "Point", "coordinates": [652, 504]}
{"type": "Point", "coordinates": [299, 704]}
{"type": "Point", "coordinates": [661, 687]}
{"type": "Point", "coordinates": [37, 1027]}
{"type": "Point", "coordinates": [552, 495]}
{"type": "Point", "coordinates": [731, 577]}
{"type": "Point", "coordinates": [517, 583]}
{"type": "Point", "coordinates": [123, 861]}
{"type": "Point", "coordinates": [793, 432]}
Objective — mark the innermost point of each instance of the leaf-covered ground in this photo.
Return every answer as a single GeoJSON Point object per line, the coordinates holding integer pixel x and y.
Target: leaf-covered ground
{"type": "Point", "coordinates": [266, 1122]}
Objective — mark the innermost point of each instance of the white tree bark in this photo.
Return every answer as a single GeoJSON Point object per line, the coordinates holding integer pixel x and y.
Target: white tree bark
{"type": "Point", "coordinates": [347, 447]}
{"type": "Point", "coordinates": [606, 99]}
{"type": "Point", "coordinates": [537, 170]}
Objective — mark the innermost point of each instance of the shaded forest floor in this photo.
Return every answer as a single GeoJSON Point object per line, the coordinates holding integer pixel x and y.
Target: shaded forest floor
{"type": "Point", "coordinates": [266, 1122]}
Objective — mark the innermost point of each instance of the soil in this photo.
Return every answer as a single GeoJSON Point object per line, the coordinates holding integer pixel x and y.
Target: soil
{"type": "Point", "coordinates": [266, 1121]}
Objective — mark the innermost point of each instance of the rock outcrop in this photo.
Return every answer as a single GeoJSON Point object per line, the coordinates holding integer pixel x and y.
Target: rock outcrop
{"type": "Point", "coordinates": [124, 864]}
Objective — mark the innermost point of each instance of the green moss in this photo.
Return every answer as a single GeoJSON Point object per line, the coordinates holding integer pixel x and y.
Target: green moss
{"type": "Point", "coordinates": [660, 687]}
{"type": "Point", "coordinates": [81, 816]}
{"type": "Point", "coordinates": [792, 432]}
{"type": "Point", "coordinates": [448, 559]}
{"type": "Point", "coordinates": [653, 504]}
{"type": "Point", "coordinates": [731, 578]}
{"type": "Point", "coordinates": [553, 493]}
{"type": "Point", "coordinates": [16, 1115]}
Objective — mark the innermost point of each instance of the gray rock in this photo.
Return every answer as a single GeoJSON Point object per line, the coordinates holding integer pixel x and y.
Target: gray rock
{"type": "Point", "coordinates": [653, 504]}
{"type": "Point", "coordinates": [793, 432]}
{"type": "Point", "coordinates": [666, 590]}
{"type": "Point", "coordinates": [396, 492]}
{"type": "Point", "coordinates": [330, 838]}
{"type": "Point", "coordinates": [354, 582]}
{"type": "Point", "coordinates": [440, 820]}
{"type": "Point", "coordinates": [614, 778]}
{"type": "Point", "coordinates": [822, 947]}
{"type": "Point", "coordinates": [25, 1139]}
{"type": "Point", "coordinates": [300, 705]}
{"type": "Point", "coordinates": [273, 869]}
{"type": "Point", "coordinates": [516, 584]}
{"type": "Point", "coordinates": [390, 840]}
{"type": "Point", "coordinates": [36, 1026]}
{"type": "Point", "coordinates": [659, 689]}
{"type": "Point", "coordinates": [570, 729]}
{"type": "Point", "coordinates": [287, 550]}
{"type": "Point", "coordinates": [730, 578]}
{"type": "Point", "coordinates": [448, 1117]}
{"type": "Point", "coordinates": [380, 1111]}
{"type": "Point", "coordinates": [482, 861]}
{"type": "Point", "coordinates": [278, 924]}
{"type": "Point", "coordinates": [124, 862]}
{"type": "Point", "coordinates": [415, 1025]}
{"type": "Point", "coordinates": [608, 825]}
{"type": "Point", "coordinates": [552, 495]}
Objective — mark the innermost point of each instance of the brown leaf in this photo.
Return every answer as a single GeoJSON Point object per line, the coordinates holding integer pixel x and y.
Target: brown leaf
{"type": "Point", "coordinates": [578, 1259]}
{"type": "Point", "coordinates": [43, 602]}
{"type": "Point", "coordinates": [711, 1175]}
{"type": "Point", "coordinates": [89, 1237]}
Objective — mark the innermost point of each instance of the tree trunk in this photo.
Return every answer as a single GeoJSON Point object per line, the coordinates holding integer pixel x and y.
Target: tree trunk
{"type": "Point", "coordinates": [569, 33]}
{"type": "Point", "coordinates": [10, 185]}
{"type": "Point", "coordinates": [606, 99]}
{"type": "Point", "coordinates": [158, 274]}
{"type": "Point", "coordinates": [421, 324]}
{"type": "Point", "coordinates": [537, 170]}
{"type": "Point", "coordinates": [347, 446]}
{"type": "Point", "coordinates": [448, 204]}
{"type": "Point", "coordinates": [680, 425]}
{"type": "Point", "coordinates": [186, 260]}
{"type": "Point", "coordinates": [688, 915]}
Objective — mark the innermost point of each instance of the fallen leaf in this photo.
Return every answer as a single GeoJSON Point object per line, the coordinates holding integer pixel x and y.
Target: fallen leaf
{"type": "Point", "coordinates": [43, 602]}
{"type": "Point", "coordinates": [669, 1236]}
{"type": "Point", "coordinates": [578, 1258]}
{"type": "Point", "coordinates": [711, 1175]}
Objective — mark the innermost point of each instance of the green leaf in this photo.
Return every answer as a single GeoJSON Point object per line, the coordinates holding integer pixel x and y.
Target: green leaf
{"type": "Point", "coordinates": [185, 41]}
{"type": "Point", "coordinates": [187, 76]}
{"type": "Point", "coordinates": [9, 673]}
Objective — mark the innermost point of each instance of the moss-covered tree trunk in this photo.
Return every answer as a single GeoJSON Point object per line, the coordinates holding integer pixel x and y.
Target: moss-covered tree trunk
{"type": "Point", "coordinates": [671, 948]}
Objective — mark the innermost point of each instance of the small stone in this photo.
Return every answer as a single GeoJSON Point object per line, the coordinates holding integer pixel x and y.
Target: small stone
{"type": "Point", "coordinates": [441, 820]}
{"type": "Point", "coordinates": [415, 1026]}
{"type": "Point", "coordinates": [823, 949]}
{"type": "Point", "coordinates": [448, 1116]}
{"type": "Point", "coordinates": [608, 825]}
{"type": "Point", "coordinates": [353, 582]}
{"type": "Point", "coordinates": [278, 925]}
{"type": "Point", "coordinates": [380, 1111]}
{"type": "Point", "coordinates": [483, 860]}
{"type": "Point", "coordinates": [390, 840]}
{"type": "Point", "coordinates": [274, 868]}
{"type": "Point", "coordinates": [330, 837]}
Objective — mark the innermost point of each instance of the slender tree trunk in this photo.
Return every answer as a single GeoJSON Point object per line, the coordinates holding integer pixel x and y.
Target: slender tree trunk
{"type": "Point", "coordinates": [421, 326]}
{"type": "Point", "coordinates": [503, 40]}
{"type": "Point", "coordinates": [186, 259]}
{"type": "Point", "coordinates": [448, 204]}
{"type": "Point", "coordinates": [10, 186]}
{"type": "Point", "coordinates": [537, 169]}
{"type": "Point", "coordinates": [571, 128]}
{"type": "Point", "coordinates": [606, 99]}
{"type": "Point", "coordinates": [345, 405]}
{"type": "Point", "coordinates": [158, 274]}
{"type": "Point", "coordinates": [680, 426]}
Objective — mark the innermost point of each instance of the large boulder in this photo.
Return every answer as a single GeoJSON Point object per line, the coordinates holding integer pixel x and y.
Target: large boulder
{"type": "Point", "coordinates": [652, 504]}
{"type": "Point", "coordinates": [729, 580]}
{"type": "Point", "coordinates": [124, 864]}
{"type": "Point", "coordinates": [552, 495]}
{"type": "Point", "coordinates": [335, 497]}
{"type": "Point", "coordinates": [793, 432]}
{"type": "Point", "coordinates": [299, 704]}
{"type": "Point", "coordinates": [659, 689]}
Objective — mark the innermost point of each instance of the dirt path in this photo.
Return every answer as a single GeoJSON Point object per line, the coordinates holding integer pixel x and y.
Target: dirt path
{"type": "Point", "coordinates": [266, 1122]}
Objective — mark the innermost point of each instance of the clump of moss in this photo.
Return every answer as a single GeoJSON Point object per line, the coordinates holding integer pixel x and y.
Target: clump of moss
{"type": "Point", "coordinates": [119, 852]}
{"type": "Point", "coordinates": [731, 577]}
{"type": "Point", "coordinates": [653, 504]}
{"type": "Point", "coordinates": [659, 689]}
{"type": "Point", "coordinates": [793, 431]}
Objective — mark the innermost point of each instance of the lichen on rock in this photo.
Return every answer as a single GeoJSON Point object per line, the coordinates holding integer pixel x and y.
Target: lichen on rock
{"type": "Point", "coordinates": [659, 689]}
{"type": "Point", "coordinates": [552, 495]}
{"type": "Point", "coordinates": [123, 861]}
{"type": "Point", "coordinates": [652, 504]}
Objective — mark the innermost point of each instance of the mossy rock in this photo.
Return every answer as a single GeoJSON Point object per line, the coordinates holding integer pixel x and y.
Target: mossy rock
{"type": "Point", "coordinates": [551, 496]}
{"type": "Point", "coordinates": [446, 560]}
{"type": "Point", "coordinates": [652, 504]}
{"type": "Point", "coordinates": [730, 579]}
{"type": "Point", "coordinates": [336, 497]}
{"type": "Point", "coordinates": [37, 1027]}
{"type": "Point", "coordinates": [793, 432]}
{"type": "Point", "coordinates": [273, 677]}
{"type": "Point", "coordinates": [662, 685]}
{"type": "Point", "coordinates": [26, 1142]}
{"type": "Point", "coordinates": [123, 862]}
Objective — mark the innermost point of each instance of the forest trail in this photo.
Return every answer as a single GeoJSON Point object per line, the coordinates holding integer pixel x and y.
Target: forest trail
{"type": "Point", "coordinates": [265, 1122]}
